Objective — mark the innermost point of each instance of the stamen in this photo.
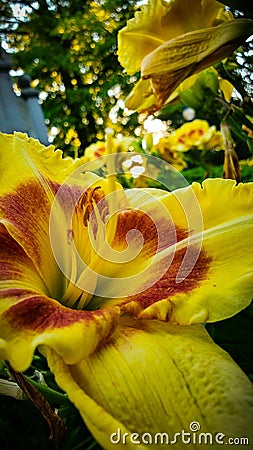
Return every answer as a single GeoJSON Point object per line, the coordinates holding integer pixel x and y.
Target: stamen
{"type": "Point", "coordinates": [75, 295]}
{"type": "Point", "coordinates": [86, 204]}
{"type": "Point", "coordinates": [113, 205]}
{"type": "Point", "coordinates": [72, 292]}
{"type": "Point", "coordinates": [92, 215]}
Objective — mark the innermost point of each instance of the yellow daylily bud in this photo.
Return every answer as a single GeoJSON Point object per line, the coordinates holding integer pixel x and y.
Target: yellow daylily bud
{"type": "Point", "coordinates": [172, 62]}
{"type": "Point", "coordinates": [141, 98]}
{"type": "Point", "coordinates": [231, 163]}
{"type": "Point", "coordinates": [171, 41]}
{"type": "Point", "coordinates": [158, 21]}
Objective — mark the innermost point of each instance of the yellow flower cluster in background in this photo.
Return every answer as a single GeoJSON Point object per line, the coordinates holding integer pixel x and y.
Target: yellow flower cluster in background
{"type": "Point", "coordinates": [98, 149]}
{"type": "Point", "coordinates": [196, 134]}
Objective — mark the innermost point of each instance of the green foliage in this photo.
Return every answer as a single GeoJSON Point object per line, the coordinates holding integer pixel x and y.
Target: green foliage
{"type": "Point", "coordinates": [210, 97]}
{"type": "Point", "coordinates": [198, 174]}
{"type": "Point", "coordinates": [70, 51]}
{"type": "Point", "coordinates": [23, 427]}
{"type": "Point", "coordinates": [235, 336]}
{"type": "Point", "coordinates": [205, 88]}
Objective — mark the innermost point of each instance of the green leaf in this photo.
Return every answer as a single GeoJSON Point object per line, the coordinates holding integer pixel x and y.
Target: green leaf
{"type": "Point", "coordinates": [192, 98]}
{"type": "Point", "coordinates": [235, 335]}
{"type": "Point", "coordinates": [250, 144]}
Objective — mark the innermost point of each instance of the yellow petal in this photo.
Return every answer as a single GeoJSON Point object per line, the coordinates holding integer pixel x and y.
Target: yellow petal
{"type": "Point", "coordinates": [154, 378]}
{"type": "Point", "coordinates": [141, 98]}
{"type": "Point", "coordinates": [227, 88]}
{"type": "Point", "coordinates": [184, 55]}
{"type": "Point", "coordinates": [17, 270]}
{"type": "Point", "coordinates": [189, 279]}
{"type": "Point", "coordinates": [95, 150]}
{"type": "Point", "coordinates": [32, 319]}
{"type": "Point", "coordinates": [138, 39]}
{"type": "Point", "coordinates": [28, 158]}
{"type": "Point", "coordinates": [159, 21]}
{"type": "Point", "coordinates": [191, 134]}
{"type": "Point", "coordinates": [153, 27]}
{"type": "Point", "coordinates": [227, 241]}
{"type": "Point", "coordinates": [168, 154]}
{"type": "Point", "coordinates": [186, 84]}
{"type": "Point", "coordinates": [30, 175]}
{"type": "Point", "coordinates": [28, 317]}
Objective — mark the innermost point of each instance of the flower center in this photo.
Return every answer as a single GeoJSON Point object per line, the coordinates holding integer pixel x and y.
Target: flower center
{"type": "Point", "coordinates": [94, 224]}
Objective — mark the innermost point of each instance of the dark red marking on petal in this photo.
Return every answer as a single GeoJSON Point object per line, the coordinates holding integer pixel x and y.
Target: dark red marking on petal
{"type": "Point", "coordinates": [99, 152]}
{"type": "Point", "coordinates": [67, 196]}
{"type": "Point", "coordinates": [15, 294]}
{"type": "Point", "coordinates": [130, 326]}
{"type": "Point", "coordinates": [167, 287]}
{"type": "Point", "coordinates": [40, 313]}
{"type": "Point", "coordinates": [29, 200]}
{"type": "Point", "coordinates": [28, 210]}
{"type": "Point", "coordinates": [12, 257]}
{"type": "Point", "coordinates": [16, 266]}
{"type": "Point", "coordinates": [133, 219]}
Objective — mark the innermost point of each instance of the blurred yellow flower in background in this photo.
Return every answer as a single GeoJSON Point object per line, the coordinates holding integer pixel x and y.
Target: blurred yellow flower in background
{"type": "Point", "coordinates": [95, 150]}
{"type": "Point", "coordinates": [168, 154]}
{"type": "Point", "coordinates": [195, 134]}
{"type": "Point", "coordinates": [98, 149]}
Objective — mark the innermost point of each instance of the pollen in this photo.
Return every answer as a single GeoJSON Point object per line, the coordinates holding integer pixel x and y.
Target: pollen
{"type": "Point", "coordinates": [85, 205]}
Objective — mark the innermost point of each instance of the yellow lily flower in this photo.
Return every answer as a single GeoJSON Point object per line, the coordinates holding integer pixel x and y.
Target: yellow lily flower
{"type": "Point", "coordinates": [195, 134]}
{"type": "Point", "coordinates": [85, 292]}
{"type": "Point", "coordinates": [170, 41]}
{"type": "Point", "coordinates": [169, 154]}
{"type": "Point", "coordinates": [95, 150]}
{"type": "Point", "coordinates": [98, 149]}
